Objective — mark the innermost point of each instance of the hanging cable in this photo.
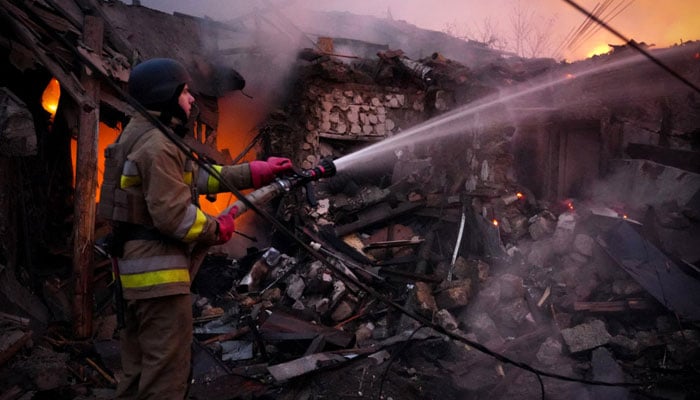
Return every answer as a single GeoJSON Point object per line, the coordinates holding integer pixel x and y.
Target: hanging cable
{"type": "Point", "coordinates": [193, 155]}
{"type": "Point", "coordinates": [634, 45]}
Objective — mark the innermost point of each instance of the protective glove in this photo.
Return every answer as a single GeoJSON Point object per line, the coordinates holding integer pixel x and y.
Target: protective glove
{"type": "Point", "coordinates": [226, 226]}
{"type": "Point", "coordinates": [264, 172]}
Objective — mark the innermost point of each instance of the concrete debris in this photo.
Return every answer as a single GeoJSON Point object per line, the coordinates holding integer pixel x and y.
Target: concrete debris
{"type": "Point", "coordinates": [586, 336]}
{"type": "Point", "coordinates": [454, 294]}
{"type": "Point", "coordinates": [542, 225]}
{"type": "Point", "coordinates": [550, 352]}
{"type": "Point", "coordinates": [583, 244]}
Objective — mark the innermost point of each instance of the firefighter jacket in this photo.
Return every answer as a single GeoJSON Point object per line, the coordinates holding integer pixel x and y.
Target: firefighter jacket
{"type": "Point", "coordinates": [151, 189]}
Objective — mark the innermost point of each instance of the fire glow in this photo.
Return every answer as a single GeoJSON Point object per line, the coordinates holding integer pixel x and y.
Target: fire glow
{"type": "Point", "coordinates": [238, 118]}
{"type": "Point", "coordinates": [51, 96]}
{"type": "Point", "coordinates": [598, 50]}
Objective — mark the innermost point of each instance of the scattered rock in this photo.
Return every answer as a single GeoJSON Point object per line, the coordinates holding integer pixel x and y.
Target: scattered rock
{"type": "Point", "coordinates": [586, 336]}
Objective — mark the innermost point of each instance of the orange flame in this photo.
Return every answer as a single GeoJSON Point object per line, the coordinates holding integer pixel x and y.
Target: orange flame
{"type": "Point", "coordinates": [495, 222]}
{"type": "Point", "coordinates": [238, 119]}
{"type": "Point", "coordinates": [106, 136]}
{"type": "Point", "coordinates": [51, 96]}
{"type": "Point", "coordinates": [519, 195]}
{"type": "Point", "coordinates": [236, 129]}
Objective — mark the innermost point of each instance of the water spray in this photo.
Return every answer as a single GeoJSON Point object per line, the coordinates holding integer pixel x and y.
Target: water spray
{"type": "Point", "coordinates": [520, 103]}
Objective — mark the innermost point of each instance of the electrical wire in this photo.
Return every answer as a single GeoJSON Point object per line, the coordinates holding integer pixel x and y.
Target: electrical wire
{"type": "Point", "coordinates": [608, 18]}
{"type": "Point", "coordinates": [634, 45]}
{"type": "Point", "coordinates": [193, 155]}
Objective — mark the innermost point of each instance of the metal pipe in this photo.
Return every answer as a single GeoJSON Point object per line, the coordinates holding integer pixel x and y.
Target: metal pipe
{"type": "Point", "coordinates": [459, 241]}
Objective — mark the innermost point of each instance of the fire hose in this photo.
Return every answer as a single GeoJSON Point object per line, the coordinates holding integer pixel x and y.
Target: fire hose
{"type": "Point", "coordinates": [286, 183]}
{"type": "Point", "coordinates": [280, 186]}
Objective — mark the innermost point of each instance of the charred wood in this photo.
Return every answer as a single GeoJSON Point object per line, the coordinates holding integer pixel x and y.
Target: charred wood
{"type": "Point", "coordinates": [683, 159]}
{"type": "Point", "coordinates": [613, 306]}
{"type": "Point", "coordinates": [283, 326]}
{"type": "Point", "coordinates": [378, 213]}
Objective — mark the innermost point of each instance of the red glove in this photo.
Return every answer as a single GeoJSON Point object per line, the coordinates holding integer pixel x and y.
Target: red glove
{"type": "Point", "coordinates": [263, 172]}
{"type": "Point", "coordinates": [226, 226]}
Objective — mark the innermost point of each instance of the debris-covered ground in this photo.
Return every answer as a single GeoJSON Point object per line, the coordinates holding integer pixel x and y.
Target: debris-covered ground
{"type": "Point", "coordinates": [559, 293]}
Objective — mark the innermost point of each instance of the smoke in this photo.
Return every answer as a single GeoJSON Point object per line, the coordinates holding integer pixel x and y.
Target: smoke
{"type": "Point", "coordinates": [647, 21]}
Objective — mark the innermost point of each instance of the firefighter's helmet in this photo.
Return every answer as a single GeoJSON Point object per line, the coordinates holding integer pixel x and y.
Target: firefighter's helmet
{"type": "Point", "coordinates": [156, 82]}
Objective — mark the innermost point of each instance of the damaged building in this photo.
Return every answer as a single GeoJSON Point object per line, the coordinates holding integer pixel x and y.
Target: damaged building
{"type": "Point", "coordinates": [496, 227]}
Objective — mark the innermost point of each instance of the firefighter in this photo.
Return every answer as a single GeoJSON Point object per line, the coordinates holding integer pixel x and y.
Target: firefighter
{"type": "Point", "coordinates": [150, 194]}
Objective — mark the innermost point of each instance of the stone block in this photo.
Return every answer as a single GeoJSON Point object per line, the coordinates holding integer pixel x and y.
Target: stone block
{"type": "Point", "coordinates": [511, 287]}
{"type": "Point", "coordinates": [584, 244]}
{"type": "Point", "coordinates": [483, 326]}
{"type": "Point", "coordinates": [390, 125]}
{"type": "Point", "coordinates": [549, 352]}
{"type": "Point", "coordinates": [541, 226]}
{"type": "Point", "coordinates": [446, 320]}
{"type": "Point", "coordinates": [425, 302]}
{"type": "Point", "coordinates": [455, 294]}
{"type": "Point", "coordinates": [342, 311]}
{"type": "Point", "coordinates": [586, 336]}
{"type": "Point", "coordinates": [295, 287]}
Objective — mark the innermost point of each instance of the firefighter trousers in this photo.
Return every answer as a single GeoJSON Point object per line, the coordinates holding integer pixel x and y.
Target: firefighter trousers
{"type": "Point", "coordinates": [156, 348]}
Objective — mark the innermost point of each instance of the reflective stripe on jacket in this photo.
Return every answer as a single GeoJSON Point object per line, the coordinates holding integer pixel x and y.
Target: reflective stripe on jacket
{"type": "Point", "coordinates": [163, 185]}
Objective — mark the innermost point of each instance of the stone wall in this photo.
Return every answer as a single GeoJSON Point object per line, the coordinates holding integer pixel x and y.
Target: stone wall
{"type": "Point", "coordinates": [355, 113]}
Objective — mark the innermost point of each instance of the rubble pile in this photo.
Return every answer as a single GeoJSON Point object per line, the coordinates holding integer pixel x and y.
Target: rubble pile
{"type": "Point", "coordinates": [457, 240]}
{"type": "Point", "coordinates": [545, 292]}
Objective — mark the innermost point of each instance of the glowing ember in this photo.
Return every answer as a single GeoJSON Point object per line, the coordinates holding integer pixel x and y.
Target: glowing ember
{"type": "Point", "coordinates": [519, 195]}
{"type": "Point", "coordinates": [495, 222]}
{"type": "Point", "coordinates": [570, 205]}
{"type": "Point", "coordinates": [570, 76]}
{"type": "Point", "coordinates": [50, 97]}
{"type": "Point", "coordinates": [624, 216]}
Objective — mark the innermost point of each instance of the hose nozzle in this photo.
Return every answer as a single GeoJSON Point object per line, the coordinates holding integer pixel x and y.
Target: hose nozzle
{"type": "Point", "coordinates": [325, 168]}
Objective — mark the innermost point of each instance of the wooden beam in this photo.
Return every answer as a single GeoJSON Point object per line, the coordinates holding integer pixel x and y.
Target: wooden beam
{"type": "Point", "coordinates": [13, 16]}
{"type": "Point", "coordinates": [683, 159]}
{"type": "Point", "coordinates": [119, 43]}
{"type": "Point", "coordinates": [613, 306]}
{"type": "Point", "coordinates": [85, 186]}
{"type": "Point", "coordinates": [378, 213]}
{"type": "Point", "coordinates": [279, 325]}
{"type": "Point", "coordinates": [393, 243]}
{"type": "Point", "coordinates": [12, 349]}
